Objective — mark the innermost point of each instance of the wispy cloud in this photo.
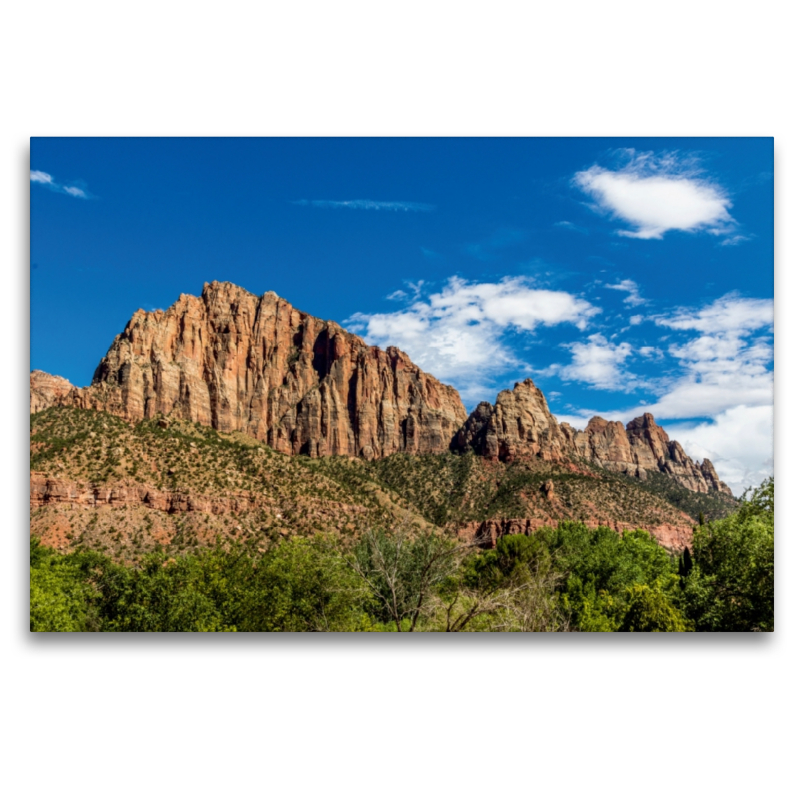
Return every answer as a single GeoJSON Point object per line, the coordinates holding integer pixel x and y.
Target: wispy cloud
{"type": "Point", "coordinates": [413, 292]}
{"type": "Point", "coordinates": [45, 179]}
{"type": "Point", "coordinates": [729, 314]}
{"type": "Point", "coordinates": [570, 226]}
{"type": "Point", "coordinates": [632, 290]}
{"type": "Point", "coordinates": [459, 332]}
{"type": "Point", "coordinates": [732, 241]}
{"type": "Point", "coordinates": [367, 205]}
{"type": "Point", "coordinates": [658, 193]}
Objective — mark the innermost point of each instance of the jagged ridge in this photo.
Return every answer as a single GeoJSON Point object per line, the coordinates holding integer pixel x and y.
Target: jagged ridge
{"type": "Point", "coordinates": [238, 362]}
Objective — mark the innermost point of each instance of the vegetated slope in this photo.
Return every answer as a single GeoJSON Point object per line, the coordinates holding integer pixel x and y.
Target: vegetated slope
{"type": "Point", "coordinates": [99, 482]}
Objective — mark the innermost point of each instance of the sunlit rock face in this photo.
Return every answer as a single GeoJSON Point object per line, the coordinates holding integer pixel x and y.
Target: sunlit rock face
{"type": "Point", "coordinates": [239, 362]}
{"type": "Point", "coordinates": [519, 425]}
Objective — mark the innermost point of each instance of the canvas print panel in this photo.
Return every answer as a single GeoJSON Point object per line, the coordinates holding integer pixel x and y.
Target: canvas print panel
{"type": "Point", "coordinates": [401, 385]}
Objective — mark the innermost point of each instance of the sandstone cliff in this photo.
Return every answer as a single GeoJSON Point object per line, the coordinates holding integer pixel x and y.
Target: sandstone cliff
{"type": "Point", "coordinates": [239, 362]}
{"type": "Point", "coordinates": [520, 425]}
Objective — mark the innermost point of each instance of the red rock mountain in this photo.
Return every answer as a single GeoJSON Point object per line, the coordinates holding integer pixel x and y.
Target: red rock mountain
{"type": "Point", "coordinates": [239, 362]}
{"type": "Point", "coordinates": [520, 425]}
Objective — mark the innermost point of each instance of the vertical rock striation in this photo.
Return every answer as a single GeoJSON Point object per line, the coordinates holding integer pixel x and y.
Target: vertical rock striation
{"type": "Point", "coordinates": [239, 362]}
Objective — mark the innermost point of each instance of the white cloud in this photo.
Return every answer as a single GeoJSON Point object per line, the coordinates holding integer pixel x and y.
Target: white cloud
{"type": "Point", "coordinates": [656, 194]}
{"type": "Point", "coordinates": [44, 178]}
{"type": "Point", "coordinates": [368, 205]}
{"type": "Point", "coordinates": [74, 191]}
{"type": "Point", "coordinates": [724, 379]}
{"type": "Point", "coordinates": [37, 176]}
{"type": "Point", "coordinates": [570, 226]}
{"type": "Point", "coordinates": [734, 240]}
{"type": "Point", "coordinates": [651, 352]}
{"type": "Point", "coordinates": [636, 319]}
{"type": "Point", "coordinates": [597, 362]}
{"type": "Point", "coordinates": [632, 289]}
{"type": "Point", "coordinates": [729, 314]}
{"type": "Point", "coordinates": [459, 330]}
{"type": "Point", "coordinates": [738, 442]}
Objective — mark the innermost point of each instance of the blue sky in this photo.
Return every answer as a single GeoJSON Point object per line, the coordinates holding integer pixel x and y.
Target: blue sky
{"type": "Point", "coordinates": [622, 275]}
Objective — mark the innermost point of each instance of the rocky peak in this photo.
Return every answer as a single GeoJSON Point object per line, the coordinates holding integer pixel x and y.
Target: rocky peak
{"type": "Point", "coordinates": [254, 364]}
{"type": "Point", "coordinates": [519, 425]}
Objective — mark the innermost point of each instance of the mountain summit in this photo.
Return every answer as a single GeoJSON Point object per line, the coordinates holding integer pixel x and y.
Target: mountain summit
{"type": "Point", "coordinates": [238, 362]}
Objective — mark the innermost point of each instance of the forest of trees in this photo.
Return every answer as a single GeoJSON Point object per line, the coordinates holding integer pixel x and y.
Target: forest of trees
{"type": "Point", "coordinates": [569, 578]}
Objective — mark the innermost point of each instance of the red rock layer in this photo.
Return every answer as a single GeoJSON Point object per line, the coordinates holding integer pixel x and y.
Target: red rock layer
{"type": "Point", "coordinates": [486, 533]}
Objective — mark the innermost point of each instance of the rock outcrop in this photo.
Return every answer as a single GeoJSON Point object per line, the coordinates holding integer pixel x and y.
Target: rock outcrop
{"type": "Point", "coordinates": [239, 362]}
{"type": "Point", "coordinates": [47, 390]}
{"type": "Point", "coordinates": [520, 425]}
{"type": "Point", "coordinates": [486, 533]}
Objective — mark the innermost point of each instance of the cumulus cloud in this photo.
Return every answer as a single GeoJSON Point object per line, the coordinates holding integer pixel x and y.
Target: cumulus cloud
{"type": "Point", "coordinates": [460, 330]}
{"type": "Point", "coordinates": [738, 441]}
{"type": "Point", "coordinates": [632, 290]}
{"type": "Point", "coordinates": [368, 205]}
{"type": "Point", "coordinates": [45, 179]}
{"type": "Point", "coordinates": [725, 364]}
{"type": "Point", "coordinates": [651, 352]}
{"type": "Point", "coordinates": [656, 194]}
{"type": "Point", "coordinates": [718, 400]}
{"type": "Point", "coordinates": [597, 362]}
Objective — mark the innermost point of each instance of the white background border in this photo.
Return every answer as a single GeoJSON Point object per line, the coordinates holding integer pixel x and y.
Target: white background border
{"type": "Point", "coordinates": [184, 716]}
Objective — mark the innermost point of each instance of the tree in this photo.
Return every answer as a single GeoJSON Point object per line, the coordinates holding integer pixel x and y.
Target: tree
{"type": "Point", "coordinates": [60, 599]}
{"type": "Point", "coordinates": [403, 571]}
{"type": "Point", "coordinates": [650, 610]}
{"type": "Point", "coordinates": [304, 585]}
{"type": "Point", "coordinates": [731, 586]}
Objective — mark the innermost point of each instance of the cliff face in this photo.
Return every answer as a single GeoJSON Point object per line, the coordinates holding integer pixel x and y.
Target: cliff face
{"type": "Point", "coordinates": [239, 362]}
{"type": "Point", "coordinates": [520, 425]}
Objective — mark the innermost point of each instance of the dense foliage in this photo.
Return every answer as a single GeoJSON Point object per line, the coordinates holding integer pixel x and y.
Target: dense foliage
{"type": "Point", "coordinates": [731, 583]}
{"type": "Point", "coordinates": [570, 577]}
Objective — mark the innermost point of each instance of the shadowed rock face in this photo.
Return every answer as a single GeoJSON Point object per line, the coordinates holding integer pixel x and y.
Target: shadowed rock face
{"type": "Point", "coordinates": [520, 425]}
{"type": "Point", "coordinates": [239, 362]}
